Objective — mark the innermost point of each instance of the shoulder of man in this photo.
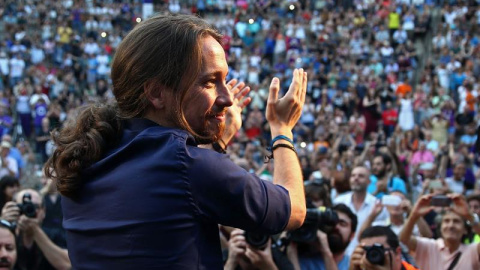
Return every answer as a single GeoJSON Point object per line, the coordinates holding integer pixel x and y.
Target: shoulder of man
{"type": "Point", "coordinates": [343, 198]}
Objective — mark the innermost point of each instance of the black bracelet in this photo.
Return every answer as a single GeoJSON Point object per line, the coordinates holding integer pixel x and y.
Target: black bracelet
{"type": "Point", "coordinates": [276, 146]}
{"type": "Point", "coordinates": [218, 148]}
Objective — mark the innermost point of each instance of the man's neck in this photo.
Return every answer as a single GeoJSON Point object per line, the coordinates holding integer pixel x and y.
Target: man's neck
{"type": "Point", "coordinates": [358, 198]}
{"type": "Point", "coordinates": [396, 220]}
{"type": "Point", "coordinates": [452, 245]}
{"type": "Point", "coordinates": [338, 257]}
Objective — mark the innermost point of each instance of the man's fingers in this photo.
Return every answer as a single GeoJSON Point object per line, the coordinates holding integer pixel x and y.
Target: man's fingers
{"type": "Point", "coordinates": [243, 92]}
{"type": "Point", "coordinates": [303, 93]}
{"type": "Point", "coordinates": [232, 83]}
{"type": "Point", "coordinates": [301, 79]}
{"type": "Point", "coordinates": [239, 87]}
{"type": "Point", "coordinates": [296, 84]}
{"type": "Point", "coordinates": [274, 88]}
{"type": "Point", "coordinates": [245, 102]}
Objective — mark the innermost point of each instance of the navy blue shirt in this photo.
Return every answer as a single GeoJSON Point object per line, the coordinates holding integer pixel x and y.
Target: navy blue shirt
{"type": "Point", "coordinates": [154, 202]}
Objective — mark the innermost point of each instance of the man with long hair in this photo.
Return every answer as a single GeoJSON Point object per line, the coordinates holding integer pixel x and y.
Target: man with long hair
{"type": "Point", "coordinates": [138, 191]}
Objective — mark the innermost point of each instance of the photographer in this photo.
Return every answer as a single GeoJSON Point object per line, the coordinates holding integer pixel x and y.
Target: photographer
{"type": "Point", "coordinates": [36, 249]}
{"type": "Point", "coordinates": [327, 251]}
{"type": "Point", "coordinates": [244, 255]}
{"type": "Point", "coordinates": [379, 249]}
{"type": "Point", "coordinates": [447, 251]}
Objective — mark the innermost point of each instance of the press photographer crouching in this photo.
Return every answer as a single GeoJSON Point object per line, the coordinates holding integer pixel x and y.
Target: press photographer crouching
{"type": "Point", "coordinates": [254, 251]}
{"type": "Point", "coordinates": [322, 240]}
{"type": "Point", "coordinates": [379, 249]}
{"type": "Point", "coordinates": [36, 249]}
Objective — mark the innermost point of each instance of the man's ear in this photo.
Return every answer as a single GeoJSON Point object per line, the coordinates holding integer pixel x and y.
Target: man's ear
{"type": "Point", "coordinates": [155, 94]}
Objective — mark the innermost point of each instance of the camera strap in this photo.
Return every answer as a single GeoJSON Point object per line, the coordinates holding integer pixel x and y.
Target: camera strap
{"type": "Point", "coordinates": [455, 261]}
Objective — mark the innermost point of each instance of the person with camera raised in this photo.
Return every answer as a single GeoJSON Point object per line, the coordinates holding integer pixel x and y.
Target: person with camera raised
{"type": "Point", "coordinates": [379, 249]}
{"type": "Point", "coordinates": [327, 250]}
{"type": "Point", "coordinates": [36, 249]}
{"type": "Point", "coordinates": [447, 252]}
{"type": "Point", "coordinates": [254, 254]}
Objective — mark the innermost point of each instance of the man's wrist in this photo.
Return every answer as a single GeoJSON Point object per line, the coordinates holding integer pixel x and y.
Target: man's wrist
{"type": "Point", "coordinates": [414, 216]}
{"type": "Point", "coordinates": [281, 131]}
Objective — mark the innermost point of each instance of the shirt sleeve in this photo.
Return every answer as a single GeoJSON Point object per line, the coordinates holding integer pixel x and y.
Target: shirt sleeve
{"type": "Point", "coordinates": [229, 195]}
{"type": "Point", "coordinates": [426, 248]}
{"type": "Point", "coordinates": [13, 166]}
{"type": "Point", "coordinates": [399, 185]}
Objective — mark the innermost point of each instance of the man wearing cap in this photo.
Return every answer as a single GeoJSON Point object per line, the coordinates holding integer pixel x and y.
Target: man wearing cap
{"type": "Point", "coordinates": [15, 154]}
{"type": "Point", "coordinates": [8, 165]}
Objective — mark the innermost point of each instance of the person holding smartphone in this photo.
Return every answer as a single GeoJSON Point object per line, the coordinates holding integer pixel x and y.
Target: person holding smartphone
{"type": "Point", "coordinates": [448, 251]}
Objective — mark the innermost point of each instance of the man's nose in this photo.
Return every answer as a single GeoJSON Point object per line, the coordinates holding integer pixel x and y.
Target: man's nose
{"type": "Point", "coordinates": [3, 254]}
{"type": "Point", "coordinates": [225, 96]}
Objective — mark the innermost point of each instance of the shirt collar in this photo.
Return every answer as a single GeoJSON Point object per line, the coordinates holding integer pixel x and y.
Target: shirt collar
{"type": "Point", "coordinates": [367, 201]}
{"type": "Point", "coordinates": [442, 247]}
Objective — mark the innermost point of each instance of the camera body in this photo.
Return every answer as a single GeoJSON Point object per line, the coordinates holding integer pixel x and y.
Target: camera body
{"type": "Point", "coordinates": [27, 208]}
{"type": "Point", "coordinates": [321, 218]}
{"type": "Point", "coordinates": [375, 254]}
{"type": "Point", "coordinates": [441, 200]}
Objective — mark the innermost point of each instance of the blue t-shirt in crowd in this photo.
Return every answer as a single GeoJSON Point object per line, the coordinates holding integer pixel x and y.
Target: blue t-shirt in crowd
{"type": "Point", "coordinates": [394, 184]}
{"type": "Point", "coordinates": [316, 263]}
{"type": "Point", "coordinates": [155, 202]}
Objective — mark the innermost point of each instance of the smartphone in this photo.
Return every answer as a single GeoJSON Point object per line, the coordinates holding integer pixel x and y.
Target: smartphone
{"type": "Point", "coordinates": [391, 200]}
{"type": "Point", "coordinates": [440, 200]}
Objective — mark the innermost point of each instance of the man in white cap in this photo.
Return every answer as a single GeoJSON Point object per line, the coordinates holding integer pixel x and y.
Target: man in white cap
{"type": "Point", "coordinates": [8, 165]}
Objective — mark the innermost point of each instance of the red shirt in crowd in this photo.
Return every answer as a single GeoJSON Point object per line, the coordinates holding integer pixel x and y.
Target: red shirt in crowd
{"type": "Point", "coordinates": [390, 117]}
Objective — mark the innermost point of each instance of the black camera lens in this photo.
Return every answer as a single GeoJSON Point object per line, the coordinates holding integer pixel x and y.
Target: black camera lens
{"type": "Point", "coordinates": [376, 254]}
{"type": "Point", "coordinates": [257, 240]}
{"type": "Point", "coordinates": [323, 219]}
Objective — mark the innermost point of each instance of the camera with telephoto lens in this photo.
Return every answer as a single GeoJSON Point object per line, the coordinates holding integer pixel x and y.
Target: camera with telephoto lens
{"type": "Point", "coordinates": [375, 254]}
{"type": "Point", "coordinates": [257, 240]}
{"type": "Point", "coordinates": [324, 219]}
{"type": "Point", "coordinates": [27, 208]}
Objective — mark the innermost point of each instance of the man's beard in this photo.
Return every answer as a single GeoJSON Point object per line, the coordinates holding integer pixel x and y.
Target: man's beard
{"type": "Point", "coordinates": [336, 243]}
{"type": "Point", "coordinates": [209, 135]}
{"type": "Point", "coordinates": [5, 263]}
{"type": "Point", "coordinates": [381, 173]}
{"type": "Point", "coordinates": [359, 187]}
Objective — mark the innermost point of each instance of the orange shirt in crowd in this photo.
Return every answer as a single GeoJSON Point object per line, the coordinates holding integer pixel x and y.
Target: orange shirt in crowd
{"type": "Point", "coordinates": [470, 99]}
{"type": "Point", "coordinates": [403, 89]}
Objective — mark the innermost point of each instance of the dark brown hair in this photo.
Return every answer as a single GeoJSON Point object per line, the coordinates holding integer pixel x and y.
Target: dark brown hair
{"type": "Point", "coordinates": [164, 50]}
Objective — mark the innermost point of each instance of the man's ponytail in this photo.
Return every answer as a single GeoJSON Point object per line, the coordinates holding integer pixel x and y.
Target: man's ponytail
{"type": "Point", "coordinates": [81, 143]}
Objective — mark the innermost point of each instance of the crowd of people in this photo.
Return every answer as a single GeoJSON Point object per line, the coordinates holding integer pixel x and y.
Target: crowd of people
{"type": "Point", "coordinates": [390, 111]}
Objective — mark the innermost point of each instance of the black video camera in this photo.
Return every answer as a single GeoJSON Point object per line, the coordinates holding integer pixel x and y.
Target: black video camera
{"type": "Point", "coordinates": [257, 240]}
{"type": "Point", "coordinates": [321, 218]}
{"type": "Point", "coordinates": [375, 254]}
{"type": "Point", "coordinates": [27, 208]}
